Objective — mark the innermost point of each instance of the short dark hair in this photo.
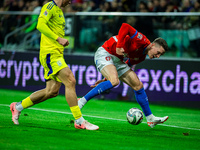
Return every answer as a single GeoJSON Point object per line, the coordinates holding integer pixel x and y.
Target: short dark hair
{"type": "Point", "coordinates": [160, 41]}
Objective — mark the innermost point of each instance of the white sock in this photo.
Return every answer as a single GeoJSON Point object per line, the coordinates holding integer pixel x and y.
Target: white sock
{"type": "Point", "coordinates": [79, 120]}
{"type": "Point", "coordinates": [19, 107]}
{"type": "Point", "coordinates": [82, 102]}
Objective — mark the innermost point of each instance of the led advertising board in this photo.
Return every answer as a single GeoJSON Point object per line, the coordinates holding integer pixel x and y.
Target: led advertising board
{"type": "Point", "coordinates": [174, 82]}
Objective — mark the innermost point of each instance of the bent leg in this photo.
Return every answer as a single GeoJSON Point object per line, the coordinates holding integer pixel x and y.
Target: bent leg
{"type": "Point", "coordinates": [110, 73]}
{"type": "Point", "coordinates": [133, 81]}
{"type": "Point", "coordinates": [51, 90]}
{"type": "Point", "coordinates": [67, 78]}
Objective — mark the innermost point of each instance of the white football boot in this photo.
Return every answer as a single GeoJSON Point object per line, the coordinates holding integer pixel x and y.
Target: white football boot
{"type": "Point", "coordinates": [152, 121]}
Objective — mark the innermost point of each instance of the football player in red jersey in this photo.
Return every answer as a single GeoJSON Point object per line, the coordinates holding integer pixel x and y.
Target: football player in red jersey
{"type": "Point", "coordinates": [109, 60]}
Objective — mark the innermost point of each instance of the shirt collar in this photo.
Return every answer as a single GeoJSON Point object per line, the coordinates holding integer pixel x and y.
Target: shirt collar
{"type": "Point", "coordinates": [54, 2]}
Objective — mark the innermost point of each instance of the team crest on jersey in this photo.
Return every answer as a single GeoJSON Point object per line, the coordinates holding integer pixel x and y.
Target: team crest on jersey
{"type": "Point", "coordinates": [108, 58]}
{"type": "Point", "coordinates": [139, 36]}
{"type": "Point", "coordinates": [59, 63]}
{"type": "Point", "coordinates": [45, 13]}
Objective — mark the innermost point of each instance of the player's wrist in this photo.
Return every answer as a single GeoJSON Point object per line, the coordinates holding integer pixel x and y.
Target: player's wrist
{"type": "Point", "coordinates": [58, 38]}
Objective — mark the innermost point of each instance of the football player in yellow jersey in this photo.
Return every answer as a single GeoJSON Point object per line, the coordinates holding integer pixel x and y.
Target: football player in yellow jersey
{"type": "Point", "coordinates": [51, 23]}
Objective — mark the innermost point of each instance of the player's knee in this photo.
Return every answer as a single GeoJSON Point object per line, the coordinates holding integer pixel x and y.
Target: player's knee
{"type": "Point", "coordinates": [138, 86]}
{"type": "Point", "coordinates": [73, 81]}
{"type": "Point", "coordinates": [52, 93]}
{"type": "Point", "coordinates": [115, 82]}
{"type": "Point", "coordinates": [70, 80]}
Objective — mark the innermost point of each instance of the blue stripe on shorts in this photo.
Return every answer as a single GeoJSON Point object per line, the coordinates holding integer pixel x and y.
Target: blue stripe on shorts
{"type": "Point", "coordinates": [48, 64]}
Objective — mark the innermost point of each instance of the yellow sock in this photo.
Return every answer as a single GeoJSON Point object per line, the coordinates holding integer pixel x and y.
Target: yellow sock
{"type": "Point", "coordinates": [76, 112]}
{"type": "Point", "coordinates": [27, 103]}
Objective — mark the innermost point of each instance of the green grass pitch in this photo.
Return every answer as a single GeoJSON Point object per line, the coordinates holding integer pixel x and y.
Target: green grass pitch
{"type": "Point", "coordinates": [48, 126]}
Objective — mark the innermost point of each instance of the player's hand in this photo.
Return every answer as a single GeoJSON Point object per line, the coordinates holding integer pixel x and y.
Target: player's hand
{"type": "Point", "coordinates": [120, 51]}
{"type": "Point", "coordinates": [62, 41]}
{"type": "Point", "coordinates": [99, 81]}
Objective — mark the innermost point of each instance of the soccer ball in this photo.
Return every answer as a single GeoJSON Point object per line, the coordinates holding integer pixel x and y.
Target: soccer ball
{"type": "Point", "coordinates": [134, 116]}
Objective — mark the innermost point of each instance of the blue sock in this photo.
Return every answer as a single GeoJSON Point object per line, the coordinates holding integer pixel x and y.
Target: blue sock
{"type": "Point", "coordinates": [100, 88]}
{"type": "Point", "coordinates": [142, 99]}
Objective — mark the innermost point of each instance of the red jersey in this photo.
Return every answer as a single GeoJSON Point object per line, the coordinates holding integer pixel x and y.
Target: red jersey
{"type": "Point", "coordinates": [133, 42]}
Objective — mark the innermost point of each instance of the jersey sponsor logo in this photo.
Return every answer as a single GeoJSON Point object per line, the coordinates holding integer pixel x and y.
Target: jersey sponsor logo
{"type": "Point", "coordinates": [139, 36]}
{"type": "Point", "coordinates": [108, 58]}
{"type": "Point", "coordinates": [45, 13]}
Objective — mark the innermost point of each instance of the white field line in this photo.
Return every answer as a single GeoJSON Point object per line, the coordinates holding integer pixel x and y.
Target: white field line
{"type": "Point", "coordinates": [60, 112]}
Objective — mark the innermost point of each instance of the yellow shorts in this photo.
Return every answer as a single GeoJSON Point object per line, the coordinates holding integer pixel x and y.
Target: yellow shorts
{"type": "Point", "coordinates": [52, 64]}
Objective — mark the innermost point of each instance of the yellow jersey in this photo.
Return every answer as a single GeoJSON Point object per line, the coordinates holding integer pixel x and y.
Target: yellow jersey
{"type": "Point", "coordinates": [51, 24]}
